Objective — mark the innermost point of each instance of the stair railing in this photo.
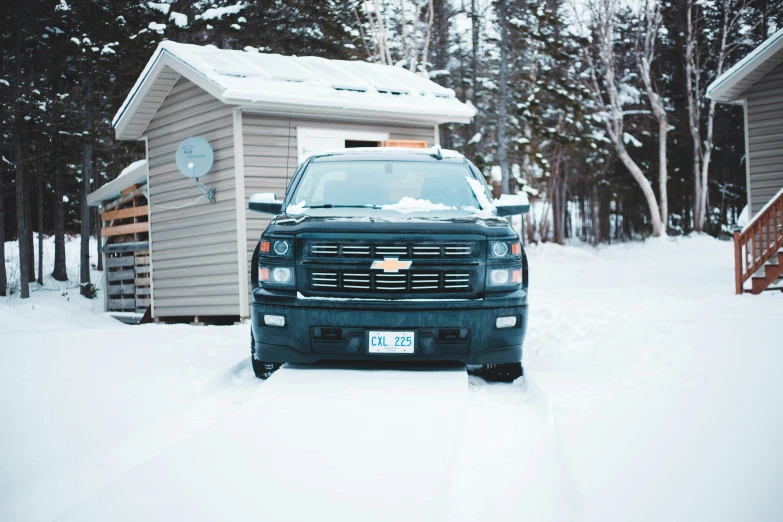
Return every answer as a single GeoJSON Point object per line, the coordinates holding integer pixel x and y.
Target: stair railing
{"type": "Point", "coordinates": [758, 242]}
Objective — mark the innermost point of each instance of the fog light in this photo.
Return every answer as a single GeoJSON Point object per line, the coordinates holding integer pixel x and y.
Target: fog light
{"type": "Point", "coordinates": [498, 277]}
{"type": "Point", "coordinates": [282, 275]}
{"type": "Point", "coordinates": [275, 320]}
{"type": "Point", "coordinates": [506, 322]}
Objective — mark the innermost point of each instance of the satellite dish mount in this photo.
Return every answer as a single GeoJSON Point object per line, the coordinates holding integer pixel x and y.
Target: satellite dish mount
{"type": "Point", "coordinates": [194, 159]}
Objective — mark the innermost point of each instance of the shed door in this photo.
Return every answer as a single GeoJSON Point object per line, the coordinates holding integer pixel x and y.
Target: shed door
{"type": "Point", "coordinates": [313, 141]}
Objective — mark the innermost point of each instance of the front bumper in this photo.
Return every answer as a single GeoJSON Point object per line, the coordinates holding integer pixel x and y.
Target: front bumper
{"type": "Point", "coordinates": [319, 330]}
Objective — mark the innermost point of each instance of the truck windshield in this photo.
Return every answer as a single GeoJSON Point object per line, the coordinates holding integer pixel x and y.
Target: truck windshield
{"type": "Point", "coordinates": [385, 184]}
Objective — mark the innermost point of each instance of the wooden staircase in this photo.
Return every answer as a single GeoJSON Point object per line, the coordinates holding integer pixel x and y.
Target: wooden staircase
{"type": "Point", "coordinates": [758, 249]}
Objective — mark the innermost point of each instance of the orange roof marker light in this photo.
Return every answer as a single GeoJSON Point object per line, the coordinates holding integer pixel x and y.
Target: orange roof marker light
{"type": "Point", "coordinates": [410, 144]}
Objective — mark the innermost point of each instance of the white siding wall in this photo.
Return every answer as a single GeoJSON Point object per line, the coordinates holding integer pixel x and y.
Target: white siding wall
{"type": "Point", "coordinates": [270, 152]}
{"type": "Point", "coordinates": [765, 137]}
{"type": "Point", "coordinates": [194, 250]}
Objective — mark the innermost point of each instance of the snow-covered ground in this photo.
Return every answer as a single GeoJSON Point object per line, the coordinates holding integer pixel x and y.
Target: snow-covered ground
{"type": "Point", "coordinates": [651, 393]}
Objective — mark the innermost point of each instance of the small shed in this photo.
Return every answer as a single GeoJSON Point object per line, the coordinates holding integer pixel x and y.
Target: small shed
{"type": "Point", "coordinates": [262, 114]}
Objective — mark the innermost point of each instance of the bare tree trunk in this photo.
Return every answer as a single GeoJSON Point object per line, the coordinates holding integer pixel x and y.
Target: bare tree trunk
{"type": "Point", "coordinates": [427, 36]}
{"type": "Point", "coordinates": [440, 50]}
{"type": "Point", "coordinates": [594, 203]}
{"type": "Point", "coordinates": [40, 228]}
{"type": "Point", "coordinates": [663, 171]}
{"type": "Point", "coordinates": [647, 190]}
{"type": "Point", "coordinates": [28, 215]}
{"type": "Point", "coordinates": [370, 53]}
{"type": "Point", "coordinates": [404, 35]}
{"type": "Point", "coordinates": [558, 197]}
{"type": "Point", "coordinates": [474, 68]}
{"type": "Point", "coordinates": [95, 217]}
{"type": "Point", "coordinates": [98, 238]}
{"type": "Point", "coordinates": [383, 42]}
{"type": "Point", "coordinates": [21, 229]}
{"type": "Point", "coordinates": [21, 222]}
{"type": "Point", "coordinates": [646, 54]}
{"type": "Point", "coordinates": [84, 260]}
{"type": "Point", "coordinates": [59, 272]}
{"type": "Point", "coordinates": [3, 275]}
{"type": "Point", "coordinates": [503, 99]}
{"type": "Point", "coordinates": [692, 80]}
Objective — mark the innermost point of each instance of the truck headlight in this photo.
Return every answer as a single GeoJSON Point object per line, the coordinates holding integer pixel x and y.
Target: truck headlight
{"type": "Point", "coordinates": [276, 247]}
{"type": "Point", "coordinates": [281, 247]}
{"type": "Point", "coordinates": [505, 249]}
{"type": "Point", "coordinates": [282, 275]}
{"type": "Point", "coordinates": [504, 277]}
{"type": "Point", "coordinates": [498, 277]}
{"type": "Point", "coordinates": [276, 276]}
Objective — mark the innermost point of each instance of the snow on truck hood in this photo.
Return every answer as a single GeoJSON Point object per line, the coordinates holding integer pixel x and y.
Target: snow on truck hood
{"type": "Point", "coordinates": [392, 221]}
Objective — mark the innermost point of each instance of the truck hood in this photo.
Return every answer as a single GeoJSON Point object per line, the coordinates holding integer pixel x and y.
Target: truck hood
{"type": "Point", "coordinates": [367, 220]}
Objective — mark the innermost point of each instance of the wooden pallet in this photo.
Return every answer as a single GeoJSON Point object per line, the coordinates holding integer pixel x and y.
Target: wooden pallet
{"type": "Point", "coordinates": [125, 228]}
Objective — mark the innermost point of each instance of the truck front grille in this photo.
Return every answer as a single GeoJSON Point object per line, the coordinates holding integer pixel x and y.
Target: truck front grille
{"type": "Point", "coordinates": [425, 281]}
{"type": "Point", "coordinates": [402, 249]}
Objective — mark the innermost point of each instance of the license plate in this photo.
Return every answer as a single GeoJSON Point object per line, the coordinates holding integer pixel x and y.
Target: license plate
{"type": "Point", "coordinates": [391, 342]}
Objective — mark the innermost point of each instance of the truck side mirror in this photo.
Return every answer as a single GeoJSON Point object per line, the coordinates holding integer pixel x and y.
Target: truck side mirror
{"type": "Point", "coordinates": [265, 202]}
{"type": "Point", "coordinates": [511, 205]}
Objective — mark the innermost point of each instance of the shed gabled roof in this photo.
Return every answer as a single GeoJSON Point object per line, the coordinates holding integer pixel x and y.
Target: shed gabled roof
{"type": "Point", "coordinates": [730, 86]}
{"type": "Point", "coordinates": [305, 85]}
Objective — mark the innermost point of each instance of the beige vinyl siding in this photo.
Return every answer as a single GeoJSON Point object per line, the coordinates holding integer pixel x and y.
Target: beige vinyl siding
{"type": "Point", "coordinates": [765, 137]}
{"type": "Point", "coordinates": [270, 152]}
{"type": "Point", "coordinates": [194, 253]}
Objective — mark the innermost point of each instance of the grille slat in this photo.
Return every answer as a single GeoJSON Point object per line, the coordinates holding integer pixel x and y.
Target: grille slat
{"type": "Point", "coordinates": [401, 249]}
{"type": "Point", "coordinates": [352, 281]}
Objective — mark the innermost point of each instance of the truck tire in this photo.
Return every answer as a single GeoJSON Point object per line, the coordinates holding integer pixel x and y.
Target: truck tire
{"type": "Point", "coordinates": [505, 372]}
{"type": "Point", "coordinates": [262, 369]}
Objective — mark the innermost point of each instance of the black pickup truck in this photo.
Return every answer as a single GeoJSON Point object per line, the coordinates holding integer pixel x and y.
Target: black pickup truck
{"type": "Point", "coordinates": [389, 254]}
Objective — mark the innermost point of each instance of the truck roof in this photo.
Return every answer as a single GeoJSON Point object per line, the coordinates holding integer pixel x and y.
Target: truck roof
{"type": "Point", "coordinates": [433, 154]}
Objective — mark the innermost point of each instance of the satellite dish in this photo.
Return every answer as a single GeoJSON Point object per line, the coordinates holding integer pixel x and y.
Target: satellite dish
{"type": "Point", "coordinates": [194, 157]}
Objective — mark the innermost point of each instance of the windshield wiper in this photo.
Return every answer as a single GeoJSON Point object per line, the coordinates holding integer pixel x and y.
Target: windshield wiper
{"type": "Point", "coordinates": [329, 205]}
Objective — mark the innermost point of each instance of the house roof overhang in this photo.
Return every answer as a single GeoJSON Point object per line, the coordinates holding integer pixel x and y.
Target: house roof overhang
{"type": "Point", "coordinates": [730, 86]}
{"type": "Point", "coordinates": [305, 86]}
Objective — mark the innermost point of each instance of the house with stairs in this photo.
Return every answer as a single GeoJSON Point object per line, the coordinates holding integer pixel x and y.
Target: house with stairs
{"type": "Point", "coordinates": [756, 83]}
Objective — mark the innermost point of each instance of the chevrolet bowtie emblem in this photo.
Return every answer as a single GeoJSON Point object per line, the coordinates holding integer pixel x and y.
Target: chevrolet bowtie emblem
{"type": "Point", "coordinates": [391, 264]}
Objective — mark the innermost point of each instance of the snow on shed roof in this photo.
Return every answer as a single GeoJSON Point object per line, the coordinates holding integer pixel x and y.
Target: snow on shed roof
{"type": "Point", "coordinates": [133, 174]}
{"type": "Point", "coordinates": [730, 85]}
{"type": "Point", "coordinates": [304, 85]}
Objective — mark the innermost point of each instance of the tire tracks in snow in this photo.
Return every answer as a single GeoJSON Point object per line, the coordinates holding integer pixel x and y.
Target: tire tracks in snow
{"type": "Point", "coordinates": [510, 461]}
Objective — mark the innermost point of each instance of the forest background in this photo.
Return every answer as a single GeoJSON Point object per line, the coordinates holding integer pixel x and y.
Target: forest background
{"type": "Point", "coordinates": [594, 108]}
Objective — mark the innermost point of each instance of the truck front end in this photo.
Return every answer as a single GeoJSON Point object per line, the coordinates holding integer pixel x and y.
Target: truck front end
{"type": "Point", "coordinates": [351, 270]}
